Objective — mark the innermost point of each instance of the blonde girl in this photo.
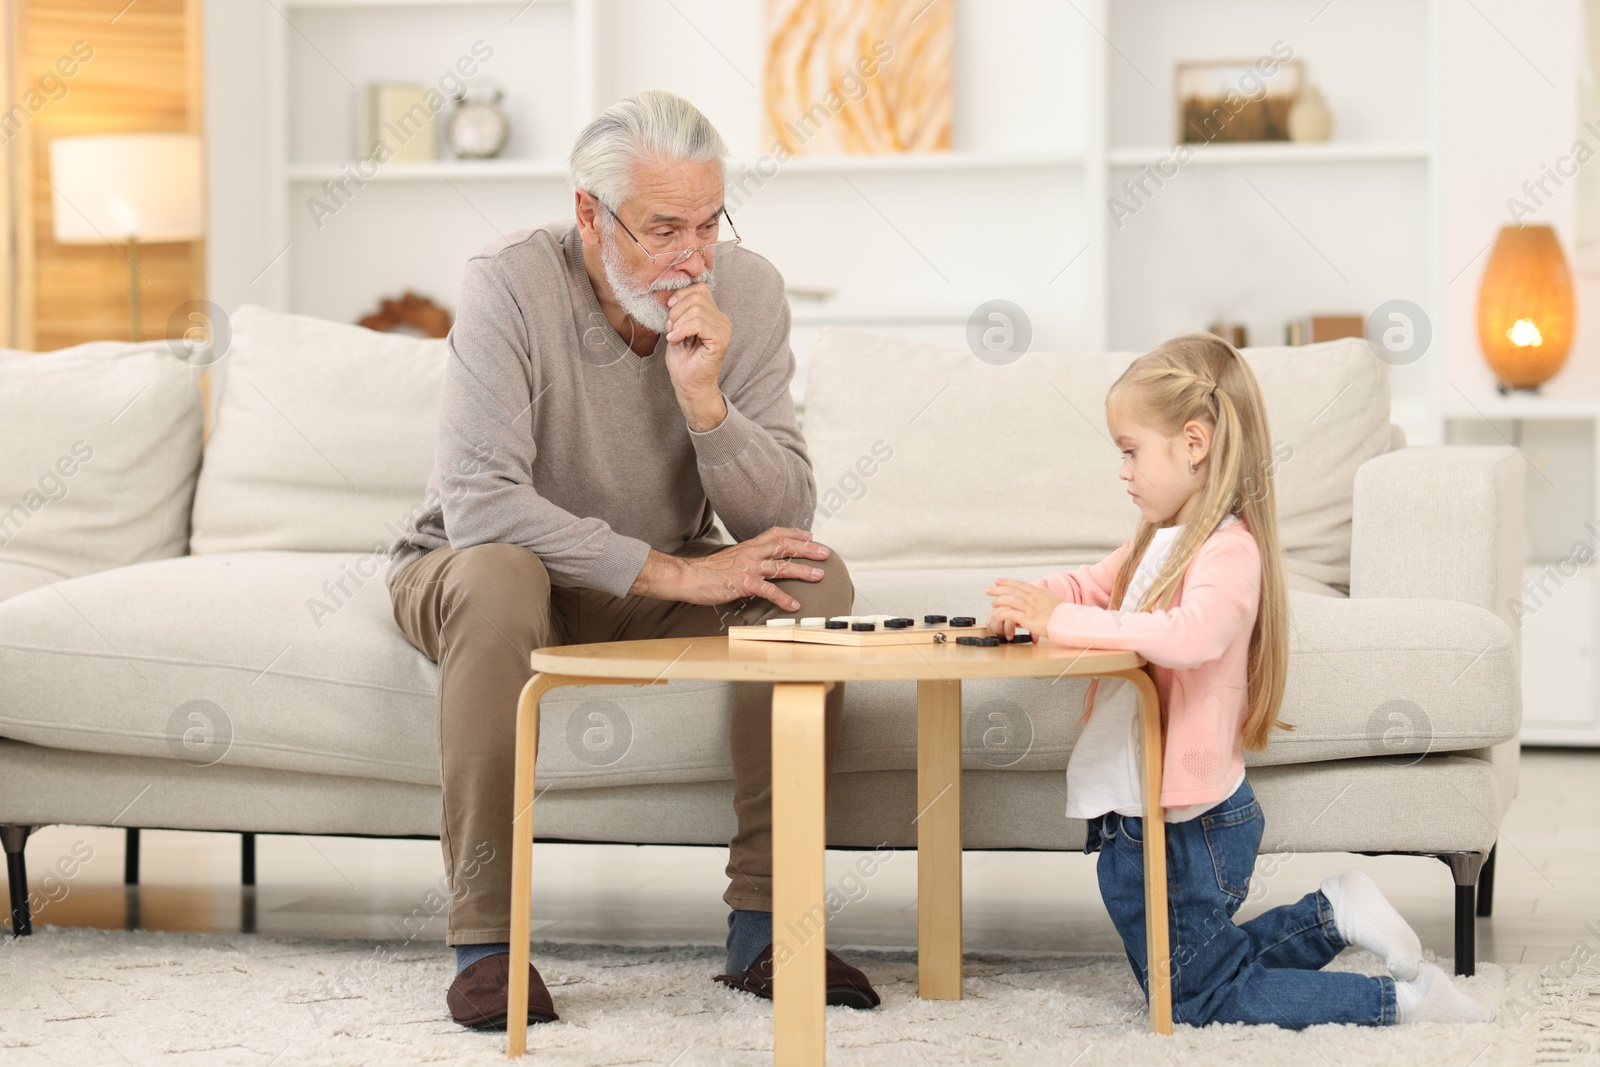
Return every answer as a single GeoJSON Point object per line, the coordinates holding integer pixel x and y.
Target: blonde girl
{"type": "Point", "coordinates": [1199, 592]}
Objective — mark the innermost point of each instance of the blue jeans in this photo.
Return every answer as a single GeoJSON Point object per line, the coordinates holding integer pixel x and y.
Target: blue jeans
{"type": "Point", "coordinates": [1266, 970]}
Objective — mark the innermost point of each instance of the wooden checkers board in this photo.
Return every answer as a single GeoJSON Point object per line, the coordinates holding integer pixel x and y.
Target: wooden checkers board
{"type": "Point", "coordinates": [919, 633]}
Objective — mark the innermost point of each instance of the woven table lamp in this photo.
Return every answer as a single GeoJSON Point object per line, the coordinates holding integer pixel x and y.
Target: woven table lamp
{"type": "Point", "coordinates": [1526, 314]}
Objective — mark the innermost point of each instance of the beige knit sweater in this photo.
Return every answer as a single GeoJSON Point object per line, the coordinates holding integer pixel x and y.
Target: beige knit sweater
{"type": "Point", "coordinates": [555, 436]}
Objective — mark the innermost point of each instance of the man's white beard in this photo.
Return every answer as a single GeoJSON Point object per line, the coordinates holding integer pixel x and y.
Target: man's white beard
{"type": "Point", "coordinates": [636, 299]}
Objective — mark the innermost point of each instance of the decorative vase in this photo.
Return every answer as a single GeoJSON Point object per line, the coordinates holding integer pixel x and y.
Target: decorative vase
{"type": "Point", "coordinates": [1309, 118]}
{"type": "Point", "coordinates": [1526, 314]}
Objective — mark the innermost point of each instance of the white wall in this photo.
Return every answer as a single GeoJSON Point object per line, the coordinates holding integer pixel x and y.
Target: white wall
{"type": "Point", "coordinates": [236, 152]}
{"type": "Point", "coordinates": [1511, 106]}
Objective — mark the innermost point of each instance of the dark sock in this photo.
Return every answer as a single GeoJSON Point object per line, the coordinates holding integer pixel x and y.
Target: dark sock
{"type": "Point", "coordinates": [748, 933]}
{"type": "Point", "coordinates": [467, 955]}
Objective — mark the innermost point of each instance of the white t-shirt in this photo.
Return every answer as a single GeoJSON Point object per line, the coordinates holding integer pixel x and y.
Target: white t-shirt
{"type": "Point", "coordinates": [1103, 771]}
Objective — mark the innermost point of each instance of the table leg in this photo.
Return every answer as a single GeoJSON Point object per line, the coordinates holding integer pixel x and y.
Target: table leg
{"type": "Point", "coordinates": [527, 748]}
{"type": "Point", "coordinates": [1158, 949]}
{"type": "Point", "coordinates": [799, 910]}
{"type": "Point", "coordinates": [939, 839]}
{"type": "Point", "coordinates": [527, 744]}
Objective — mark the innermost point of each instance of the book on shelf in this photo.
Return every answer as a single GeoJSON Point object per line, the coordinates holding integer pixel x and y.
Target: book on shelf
{"type": "Point", "coordinates": [1314, 328]}
{"type": "Point", "coordinates": [400, 125]}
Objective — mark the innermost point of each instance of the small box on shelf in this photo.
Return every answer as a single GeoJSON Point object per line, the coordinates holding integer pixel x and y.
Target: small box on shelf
{"type": "Point", "coordinates": [399, 126]}
{"type": "Point", "coordinates": [1314, 328]}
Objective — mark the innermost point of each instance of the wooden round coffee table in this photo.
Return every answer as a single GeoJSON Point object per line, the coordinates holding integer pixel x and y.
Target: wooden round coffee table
{"type": "Point", "coordinates": [800, 675]}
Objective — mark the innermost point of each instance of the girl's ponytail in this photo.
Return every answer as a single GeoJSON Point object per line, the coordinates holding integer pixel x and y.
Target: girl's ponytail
{"type": "Point", "coordinates": [1202, 377]}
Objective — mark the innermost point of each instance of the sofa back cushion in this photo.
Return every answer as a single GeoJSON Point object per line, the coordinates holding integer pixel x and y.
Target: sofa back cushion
{"type": "Point", "coordinates": [99, 449]}
{"type": "Point", "coordinates": [323, 438]}
{"type": "Point", "coordinates": [930, 457]}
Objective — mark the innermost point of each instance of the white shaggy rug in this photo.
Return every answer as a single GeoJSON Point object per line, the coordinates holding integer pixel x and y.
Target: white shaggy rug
{"type": "Point", "coordinates": [92, 997]}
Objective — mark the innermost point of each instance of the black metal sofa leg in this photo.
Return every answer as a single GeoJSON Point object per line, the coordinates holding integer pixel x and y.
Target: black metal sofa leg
{"type": "Point", "coordinates": [1465, 868]}
{"type": "Point", "coordinates": [247, 859]}
{"type": "Point", "coordinates": [247, 881]}
{"type": "Point", "coordinates": [130, 858]}
{"type": "Point", "coordinates": [13, 838]}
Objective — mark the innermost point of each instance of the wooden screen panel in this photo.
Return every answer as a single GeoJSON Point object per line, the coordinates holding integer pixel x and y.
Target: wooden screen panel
{"type": "Point", "coordinates": [144, 76]}
{"type": "Point", "coordinates": [8, 264]}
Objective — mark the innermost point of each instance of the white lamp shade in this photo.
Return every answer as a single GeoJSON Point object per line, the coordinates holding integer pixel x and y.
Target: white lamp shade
{"type": "Point", "coordinates": [118, 186]}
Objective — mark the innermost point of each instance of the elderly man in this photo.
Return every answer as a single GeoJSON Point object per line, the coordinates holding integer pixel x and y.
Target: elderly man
{"type": "Point", "coordinates": [599, 409]}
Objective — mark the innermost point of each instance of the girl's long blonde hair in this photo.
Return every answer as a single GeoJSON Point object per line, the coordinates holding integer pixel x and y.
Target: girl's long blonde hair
{"type": "Point", "coordinates": [1200, 377]}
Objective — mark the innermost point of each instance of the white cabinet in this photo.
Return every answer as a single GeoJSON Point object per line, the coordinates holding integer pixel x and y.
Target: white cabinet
{"type": "Point", "coordinates": [1558, 439]}
{"type": "Point", "coordinates": [1558, 665]}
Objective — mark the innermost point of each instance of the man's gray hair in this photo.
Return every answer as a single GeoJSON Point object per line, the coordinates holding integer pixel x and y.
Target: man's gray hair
{"type": "Point", "coordinates": [647, 127]}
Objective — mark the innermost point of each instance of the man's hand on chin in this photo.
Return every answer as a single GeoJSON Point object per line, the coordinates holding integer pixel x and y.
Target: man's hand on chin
{"type": "Point", "coordinates": [697, 342]}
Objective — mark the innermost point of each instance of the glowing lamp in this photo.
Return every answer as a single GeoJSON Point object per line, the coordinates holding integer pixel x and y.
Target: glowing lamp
{"type": "Point", "coordinates": [1526, 313]}
{"type": "Point", "coordinates": [127, 188]}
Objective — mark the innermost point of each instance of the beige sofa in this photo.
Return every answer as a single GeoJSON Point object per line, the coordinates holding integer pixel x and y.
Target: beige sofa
{"type": "Point", "coordinates": [260, 684]}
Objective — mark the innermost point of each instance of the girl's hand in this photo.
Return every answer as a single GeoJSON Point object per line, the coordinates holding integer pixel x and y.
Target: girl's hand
{"type": "Point", "coordinates": [1021, 604]}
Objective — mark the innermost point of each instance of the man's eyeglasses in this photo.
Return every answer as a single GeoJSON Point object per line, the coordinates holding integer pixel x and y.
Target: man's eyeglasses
{"type": "Point", "coordinates": [671, 257]}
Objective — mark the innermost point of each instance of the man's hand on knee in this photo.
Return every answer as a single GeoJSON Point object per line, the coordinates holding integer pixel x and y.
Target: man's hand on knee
{"type": "Point", "coordinates": [746, 569]}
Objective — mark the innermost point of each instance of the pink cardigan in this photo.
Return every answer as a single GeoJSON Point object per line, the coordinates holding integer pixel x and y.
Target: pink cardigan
{"type": "Point", "coordinates": [1199, 648]}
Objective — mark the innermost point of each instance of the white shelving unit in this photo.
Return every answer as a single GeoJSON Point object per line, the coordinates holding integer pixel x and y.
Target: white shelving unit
{"type": "Point", "coordinates": [1560, 439]}
{"type": "Point", "coordinates": [1056, 105]}
{"type": "Point", "coordinates": [1225, 155]}
{"type": "Point", "coordinates": [1260, 233]}
{"type": "Point", "coordinates": [913, 162]}
{"type": "Point", "coordinates": [322, 54]}
{"type": "Point", "coordinates": [435, 171]}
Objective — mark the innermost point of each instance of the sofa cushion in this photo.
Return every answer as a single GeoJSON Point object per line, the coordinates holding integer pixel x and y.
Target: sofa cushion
{"type": "Point", "coordinates": [1368, 677]}
{"type": "Point", "coordinates": [99, 449]}
{"type": "Point", "coordinates": [323, 438]}
{"type": "Point", "coordinates": [19, 578]}
{"type": "Point", "coordinates": [222, 658]}
{"type": "Point", "coordinates": [930, 457]}
{"type": "Point", "coordinates": [261, 660]}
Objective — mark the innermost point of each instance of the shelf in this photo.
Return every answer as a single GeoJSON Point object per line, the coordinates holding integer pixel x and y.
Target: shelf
{"type": "Point", "coordinates": [915, 161]}
{"type": "Point", "coordinates": [435, 170]}
{"type": "Point", "coordinates": [1520, 406]}
{"type": "Point", "coordinates": [828, 313]}
{"type": "Point", "coordinates": [335, 4]}
{"type": "Point", "coordinates": [502, 169]}
{"type": "Point", "coordinates": [1276, 152]}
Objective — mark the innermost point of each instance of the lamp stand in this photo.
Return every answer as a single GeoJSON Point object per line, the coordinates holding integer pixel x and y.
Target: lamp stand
{"type": "Point", "coordinates": [133, 289]}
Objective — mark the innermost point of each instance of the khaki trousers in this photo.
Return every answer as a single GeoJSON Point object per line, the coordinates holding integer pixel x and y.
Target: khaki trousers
{"type": "Point", "coordinates": [478, 613]}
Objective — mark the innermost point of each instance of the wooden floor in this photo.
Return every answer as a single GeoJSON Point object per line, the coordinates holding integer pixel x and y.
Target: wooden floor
{"type": "Point", "coordinates": [1547, 892]}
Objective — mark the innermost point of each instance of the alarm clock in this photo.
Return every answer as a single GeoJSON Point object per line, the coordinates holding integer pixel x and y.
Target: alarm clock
{"type": "Point", "coordinates": [477, 128]}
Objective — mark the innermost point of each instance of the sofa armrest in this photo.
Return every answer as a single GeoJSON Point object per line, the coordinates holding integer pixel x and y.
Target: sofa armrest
{"type": "Point", "coordinates": [1441, 523]}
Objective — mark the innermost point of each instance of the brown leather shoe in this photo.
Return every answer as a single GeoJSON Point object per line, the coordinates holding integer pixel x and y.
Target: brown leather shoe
{"type": "Point", "coordinates": [846, 986]}
{"type": "Point", "coordinates": [479, 995]}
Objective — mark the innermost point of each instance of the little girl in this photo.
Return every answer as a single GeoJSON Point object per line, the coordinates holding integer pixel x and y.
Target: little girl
{"type": "Point", "coordinates": [1199, 593]}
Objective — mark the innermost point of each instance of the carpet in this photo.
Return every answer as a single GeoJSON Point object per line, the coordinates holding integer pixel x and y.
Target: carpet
{"type": "Point", "coordinates": [91, 997]}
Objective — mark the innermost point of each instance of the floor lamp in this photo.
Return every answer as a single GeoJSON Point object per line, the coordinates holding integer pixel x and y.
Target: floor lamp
{"type": "Point", "coordinates": [127, 188]}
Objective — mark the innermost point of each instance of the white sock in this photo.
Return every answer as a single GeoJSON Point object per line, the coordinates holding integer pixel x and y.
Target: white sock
{"type": "Point", "coordinates": [1366, 918]}
{"type": "Point", "coordinates": [1433, 998]}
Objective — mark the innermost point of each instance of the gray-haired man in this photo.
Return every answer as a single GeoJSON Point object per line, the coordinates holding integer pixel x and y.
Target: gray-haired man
{"type": "Point", "coordinates": [600, 407]}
